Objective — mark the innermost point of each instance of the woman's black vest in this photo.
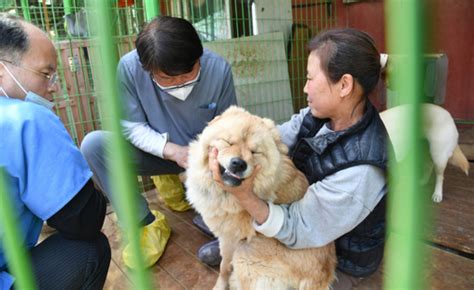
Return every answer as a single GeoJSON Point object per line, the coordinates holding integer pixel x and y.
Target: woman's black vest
{"type": "Point", "coordinates": [360, 251]}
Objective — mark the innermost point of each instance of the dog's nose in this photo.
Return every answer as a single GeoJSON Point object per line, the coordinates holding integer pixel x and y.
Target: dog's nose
{"type": "Point", "coordinates": [237, 165]}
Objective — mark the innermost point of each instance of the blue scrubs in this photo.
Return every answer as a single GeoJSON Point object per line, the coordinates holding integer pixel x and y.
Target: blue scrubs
{"type": "Point", "coordinates": [44, 168]}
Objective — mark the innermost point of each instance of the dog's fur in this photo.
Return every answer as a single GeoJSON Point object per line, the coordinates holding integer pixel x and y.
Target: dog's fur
{"type": "Point", "coordinates": [442, 135]}
{"type": "Point", "coordinates": [243, 141]}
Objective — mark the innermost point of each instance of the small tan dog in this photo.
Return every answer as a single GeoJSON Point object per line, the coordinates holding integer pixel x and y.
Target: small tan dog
{"type": "Point", "coordinates": [440, 130]}
{"type": "Point", "coordinates": [256, 262]}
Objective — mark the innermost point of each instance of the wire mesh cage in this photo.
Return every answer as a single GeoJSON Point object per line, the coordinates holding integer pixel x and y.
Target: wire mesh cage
{"type": "Point", "coordinates": [264, 41]}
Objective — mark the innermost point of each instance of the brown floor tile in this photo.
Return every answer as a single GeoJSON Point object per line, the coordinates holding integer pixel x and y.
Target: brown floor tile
{"type": "Point", "coordinates": [113, 233]}
{"type": "Point", "coordinates": [186, 268]}
{"type": "Point", "coordinates": [165, 281]}
{"type": "Point", "coordinates": [188, 237]}
{"type": "Point", "coordinates": [116, 278]}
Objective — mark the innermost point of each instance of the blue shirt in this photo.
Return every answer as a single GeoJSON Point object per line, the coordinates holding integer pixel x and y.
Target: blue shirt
{"type": "Point", "coordinates": [44, 168]}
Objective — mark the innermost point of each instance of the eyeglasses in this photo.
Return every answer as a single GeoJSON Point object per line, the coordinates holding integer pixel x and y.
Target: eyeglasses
{"type": "Point", "coordinates": [166, 89]}
{"type": "Point", "coordinates": [52, 78]}
{"type": "Point", "coordinates": [186, 84]}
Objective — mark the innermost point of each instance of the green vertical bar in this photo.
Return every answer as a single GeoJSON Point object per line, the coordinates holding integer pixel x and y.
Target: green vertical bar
{"type": "Point", "coordinates": [152, 9]}
{"type": "Point", "coordinates": [25, 7]}
{"type": "Point", "coordinates": [212, 24]}
{"type": "Point", "coordinates": [406, 216]}
{"type": "Point", "coordinates": [124, 184]}
{"type": "Point", "coordinates": [236, 21]}
{"type": "Point", "coordinates": [13, 243]}
{"type": "Point", "coordinates": [242, 20]}
{"type": "Point", "coordinates": [67, 7]}
{"type": "Point", "coordinates": [139, 12]}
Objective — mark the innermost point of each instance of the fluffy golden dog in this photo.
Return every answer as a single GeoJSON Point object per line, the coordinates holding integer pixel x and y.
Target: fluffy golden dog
{"type": "Point", "coordinates": [256, 262]}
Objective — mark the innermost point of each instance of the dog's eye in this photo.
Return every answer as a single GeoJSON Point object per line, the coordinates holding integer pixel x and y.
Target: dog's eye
{"type": "Point", "coordinates": [256, 152]}
{"type": "Point", "coordinates": [226, 142]}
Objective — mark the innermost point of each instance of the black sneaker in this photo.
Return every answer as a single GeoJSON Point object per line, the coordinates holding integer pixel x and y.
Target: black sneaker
{"type": "Point", "coordinates": [199, 223]}
{"type": "Point", "coordinates": [209, 253]}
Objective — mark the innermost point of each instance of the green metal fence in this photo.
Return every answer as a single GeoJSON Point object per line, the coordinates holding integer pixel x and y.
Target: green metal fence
{"type": "Point", "coordinates": [264, 41]}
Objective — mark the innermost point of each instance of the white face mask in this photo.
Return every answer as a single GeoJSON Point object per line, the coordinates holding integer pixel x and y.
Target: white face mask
{"type": "Point", "coordinates": [180, 92]}
{"type": "Point", "coordinates": [29, 95]}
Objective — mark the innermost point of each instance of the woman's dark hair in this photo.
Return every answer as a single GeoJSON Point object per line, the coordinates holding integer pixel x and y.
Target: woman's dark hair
{"type": "Point", "coordinates": [14, 41]}
{"type": "Point", "coordinates": [348, 51]}
{"type": "Point", "coordinates": [170, 45]}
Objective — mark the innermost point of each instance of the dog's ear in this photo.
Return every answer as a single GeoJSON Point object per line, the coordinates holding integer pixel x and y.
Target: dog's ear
{"type": "Point", "coordinates": [269, 123]}
{"type": "Point", "coordinates": [216, 118]}
{"type": "Point", "coordinates": [272, 128]}
{"type": "Point", "coordinates": [275, 135]}
{"type": "Point", "coordinates": [229, 111]}
{"type": "Point", "coordinates": [234, 110]}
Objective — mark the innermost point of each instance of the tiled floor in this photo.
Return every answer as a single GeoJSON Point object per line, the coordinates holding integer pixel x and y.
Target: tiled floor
{"type": "Point", "coordinates": [178, 268]}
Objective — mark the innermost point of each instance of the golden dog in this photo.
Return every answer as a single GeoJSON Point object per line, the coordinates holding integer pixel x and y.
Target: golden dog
{"type": "Point", "coordinates": [256, 262]}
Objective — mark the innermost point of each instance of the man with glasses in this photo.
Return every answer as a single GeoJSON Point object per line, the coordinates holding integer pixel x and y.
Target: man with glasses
{"type": "Point", "coordinates": [47, 177]}
{"type": "Point", "coordinates": [171, 88]}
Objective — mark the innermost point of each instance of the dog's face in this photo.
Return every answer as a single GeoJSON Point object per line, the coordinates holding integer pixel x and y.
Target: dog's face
{"type": "Point", "coordinates": [243, 141]}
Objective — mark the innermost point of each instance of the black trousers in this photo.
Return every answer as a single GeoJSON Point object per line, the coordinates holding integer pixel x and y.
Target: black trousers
{"type": "Point", "coordinates": [59, 263]}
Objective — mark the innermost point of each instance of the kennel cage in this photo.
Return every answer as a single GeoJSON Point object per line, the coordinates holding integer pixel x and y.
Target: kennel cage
{"type": "Point", "coordinates": [264, 41]}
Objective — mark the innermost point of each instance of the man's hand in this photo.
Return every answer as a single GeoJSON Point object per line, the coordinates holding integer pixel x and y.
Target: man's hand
{"type": "Point", "coordinates": [176, 153]}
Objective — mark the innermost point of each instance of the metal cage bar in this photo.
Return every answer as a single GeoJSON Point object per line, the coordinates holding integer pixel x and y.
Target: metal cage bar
{"type": "Point", "coordinates": [124, 184]}
{"type": "Point", "coordinates": [406, 215]}
{"type": "Point", "coordinates": [15, 250]}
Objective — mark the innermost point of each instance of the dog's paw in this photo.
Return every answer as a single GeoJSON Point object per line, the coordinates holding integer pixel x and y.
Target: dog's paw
{"type": "Point", "coordinates": [437, 197]}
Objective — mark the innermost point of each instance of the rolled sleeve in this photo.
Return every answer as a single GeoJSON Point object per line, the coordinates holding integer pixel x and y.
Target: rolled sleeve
{"type": "Point", "coordinates": [273, 223]}
{"type": "Point", "coordinates": [144, 137]}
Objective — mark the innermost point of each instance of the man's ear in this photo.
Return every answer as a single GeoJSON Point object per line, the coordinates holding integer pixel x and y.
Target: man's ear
{"type": "Point", "coordinates": [346, 85]}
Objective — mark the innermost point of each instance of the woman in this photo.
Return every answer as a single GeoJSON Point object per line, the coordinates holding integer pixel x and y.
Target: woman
{"type": "Point", "coordinates": [339, 143]}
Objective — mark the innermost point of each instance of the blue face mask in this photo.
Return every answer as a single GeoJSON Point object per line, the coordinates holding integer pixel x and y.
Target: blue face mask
{"type": "Point", "coordinates": [30, 96]}
{"type": "Point", "coordinates": [37, 99]}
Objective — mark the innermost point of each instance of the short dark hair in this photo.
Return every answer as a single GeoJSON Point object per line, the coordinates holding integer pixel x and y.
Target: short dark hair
{"type": "Point", "coordinates": [170, 45]}
{"type": "Point", "coordinates": [14, 41]}
{"type": "Point", "coordinates": [348, 51]}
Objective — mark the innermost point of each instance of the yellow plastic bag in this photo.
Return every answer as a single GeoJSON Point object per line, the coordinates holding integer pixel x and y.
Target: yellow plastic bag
{"type": "Point", "coordinates": [171, 191]}
{"type": "Point", "coordinates": [153, 240]}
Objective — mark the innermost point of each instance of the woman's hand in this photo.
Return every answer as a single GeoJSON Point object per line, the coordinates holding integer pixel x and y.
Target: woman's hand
{"type": "Point", "coordinates": [256, 207]}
